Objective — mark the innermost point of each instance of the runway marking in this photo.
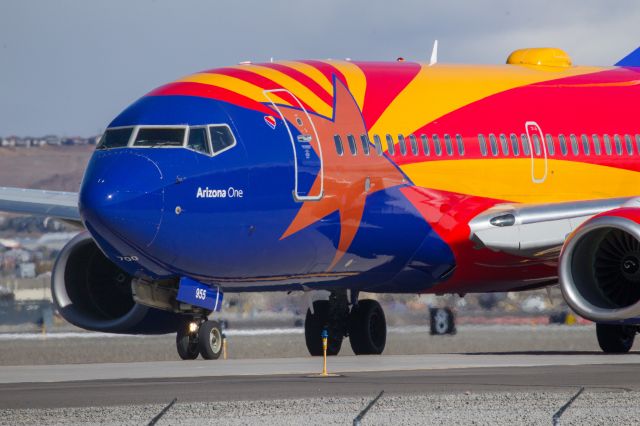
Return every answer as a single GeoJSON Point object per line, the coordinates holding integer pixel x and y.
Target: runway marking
{"type": "Point", "coordinates": [556, 416]}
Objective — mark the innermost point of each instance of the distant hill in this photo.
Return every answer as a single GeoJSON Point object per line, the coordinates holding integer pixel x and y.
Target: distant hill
{"type": "Point", "coordinates": [58, 168]}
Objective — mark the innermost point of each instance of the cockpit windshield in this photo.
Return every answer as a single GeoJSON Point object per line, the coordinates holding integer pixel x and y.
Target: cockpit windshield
{"type": "Point", "coordinates": [160, 136]}
{"type": "Point", "coordinates": [115, 138]}
{"type": "Point", "coordinates": [211, 139]}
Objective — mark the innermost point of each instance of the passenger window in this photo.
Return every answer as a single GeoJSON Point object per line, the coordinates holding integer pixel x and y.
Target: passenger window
{"type": "Point", "coordinates": [607, 144]}
{"type": "Point", "coordinates": [460, 142]}
{"type": "Point", "coordinates": [198, 140]}
{"type": "Point", "coordinates": [436, 145]}
{"type": "Point", "coordinates": [365, 144]}
{"type": "Point", "coordinates": [448, 144]}
{"type": "Point", "coordinates": [563, 145]}
{"type": "Point", "coordinates": [221, 138]}
{"type": "Point", "coordinates": [494, 144]}
{"type": "Point", "coordinates": [483, 145]}
{"type": "Point", "coordinates": [525, 144]}
{"type": "Point", "coordinates": [551, 149]}
{"type": "Point", "coordinates": [425, 144]}
{"type": "Point", "coordinates": [160, 136]}
{"type": "Point", "coordinates": [403, 145]}
{"type": "Point", "coordinates": [115, 138]}
{"type": "Point", "coordinates": [391, 148]}
{"type": "Point", "coordinates": [596, 144]}
{"type": "Point", "coordinates": [514, 144]}
{"type": "Point", "coordinates": [352, 144]}
{"type": "Point", "coordinates": [536, 144]}
{"type": "Point", "coordinates": [505, 144]}
{"type": "Point", "coordinates": [638, 143]}
{"type": "Point", "coordinates": [628, 144]}
{"type": "Point", "coordinates": [616, 138]}
{"type": "Point", "coordinates": [414, 144]}
{"type": "Point", "coordinates": [378, 143]}
{"type": "Point", "coordinates": [585, 145]}
{"type": "Point", "coordinates": [574, 144]}
{"type": "Point", "coordinates": [338, 141]}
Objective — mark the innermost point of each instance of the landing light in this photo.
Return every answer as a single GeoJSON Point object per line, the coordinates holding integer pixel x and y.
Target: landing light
{"type": "Point", "coordinates": [193, 327]}
{"type": "Point", "coordinates": [504, 220]}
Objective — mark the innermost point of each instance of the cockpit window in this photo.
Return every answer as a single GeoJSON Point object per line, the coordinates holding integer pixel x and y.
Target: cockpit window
{"type": "Point", "coordinates": [208, 139]}
{"type": "Point", "coordinates": [115, 138]}
{"type": "Point", "coordinates": [221, 138]}
{"type": "Point", "coordinates": [198, 140]}
{"type": "Point", "coordinates": [160, 136]}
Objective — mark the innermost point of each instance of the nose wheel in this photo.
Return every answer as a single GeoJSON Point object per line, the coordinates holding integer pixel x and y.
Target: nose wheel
{"type": "Point", "coordinates": [199, 338]}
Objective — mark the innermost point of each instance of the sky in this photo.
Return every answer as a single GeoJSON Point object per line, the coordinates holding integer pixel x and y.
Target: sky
{"type": "Point", "coordinates": [68, 67]}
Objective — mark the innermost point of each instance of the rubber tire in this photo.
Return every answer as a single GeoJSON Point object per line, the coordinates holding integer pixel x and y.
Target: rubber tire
{"type": "Point", "coordinates": [614, 338]}
{"type": "Point", "coordinates": [442, 321]}
{"type": "Point", "coordinates": [186, 344]}
{"type": "Point", "coordinates": [367, 328]}
{"type": "Point", "coordinates": [207, 350]}
{"type": "Point", "coordinates": [313, 326]}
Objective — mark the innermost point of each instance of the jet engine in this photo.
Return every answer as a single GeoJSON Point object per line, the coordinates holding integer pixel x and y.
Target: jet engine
{"type": "Point", "coordinates": [93, 293]}
{"type": "Point", "coordinates": [599, 267]}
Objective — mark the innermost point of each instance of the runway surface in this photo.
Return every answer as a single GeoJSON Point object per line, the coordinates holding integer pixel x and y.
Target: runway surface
{"type": "Point", "coordinates": [142, 383]}
{"type": "Point", "coordinates": [478, 386]}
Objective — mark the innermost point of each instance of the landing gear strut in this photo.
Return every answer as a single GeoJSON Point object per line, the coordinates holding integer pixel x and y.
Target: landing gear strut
{"type": "Point", "coordinates": [365, 325]}
{"type": "Point", "coordinates": [199, 337]}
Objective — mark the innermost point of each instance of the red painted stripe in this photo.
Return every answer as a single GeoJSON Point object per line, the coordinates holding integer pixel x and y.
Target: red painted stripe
{"type": "Point", "coordinates": [305, 80]}
{"type": "Point", "coordinates": [260, 81]}
{"type": "Point", "coordinates": [328, 70]}
{"type": "Point", "coordinates": [558, 108]}
{"type": "Point", "coordinates": [385, 81]}
{"type": "Point", "coordinates": [212, 92]}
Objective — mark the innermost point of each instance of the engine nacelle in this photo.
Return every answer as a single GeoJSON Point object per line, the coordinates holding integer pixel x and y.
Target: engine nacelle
{"type": "Point", "coordinates": [91, 292]}
{"type": "Point", "coordinates": [599, 267]}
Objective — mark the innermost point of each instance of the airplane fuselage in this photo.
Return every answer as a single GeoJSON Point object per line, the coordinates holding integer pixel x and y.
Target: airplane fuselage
{"type": "Point", "coordinates": [337, 174]}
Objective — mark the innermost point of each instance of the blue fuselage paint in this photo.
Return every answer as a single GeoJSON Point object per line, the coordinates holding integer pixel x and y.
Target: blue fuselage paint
{"type": "Point", "coordinates": [172, 212]}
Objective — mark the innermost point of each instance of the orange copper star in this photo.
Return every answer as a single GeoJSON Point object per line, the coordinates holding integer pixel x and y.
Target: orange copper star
{"type": "Point", "coordinates": [345, 177]}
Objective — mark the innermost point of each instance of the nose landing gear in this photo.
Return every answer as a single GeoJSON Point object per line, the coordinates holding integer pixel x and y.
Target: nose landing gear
{"type": "Point", "coordinates": [199, 337]}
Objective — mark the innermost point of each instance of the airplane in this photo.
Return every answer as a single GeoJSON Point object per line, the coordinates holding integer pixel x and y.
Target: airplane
{"type": "Point", "coordinates": [345, 176]}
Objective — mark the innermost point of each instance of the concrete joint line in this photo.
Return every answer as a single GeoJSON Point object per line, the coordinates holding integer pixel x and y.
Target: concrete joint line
{"type": "Point", "coordinates": [556, 416]}
{"type": "Point", "coordinates": [161, 413]}
{"type": "Point", "coordinates": [358, 419]}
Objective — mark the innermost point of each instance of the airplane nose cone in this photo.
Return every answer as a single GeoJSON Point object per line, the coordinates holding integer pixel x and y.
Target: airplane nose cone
{"type": "Point", "coordinates": [122, 197]}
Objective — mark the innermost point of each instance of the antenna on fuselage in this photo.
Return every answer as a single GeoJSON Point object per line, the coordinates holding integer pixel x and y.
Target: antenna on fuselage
{"type": "Point", "coordinates": [434, 54]}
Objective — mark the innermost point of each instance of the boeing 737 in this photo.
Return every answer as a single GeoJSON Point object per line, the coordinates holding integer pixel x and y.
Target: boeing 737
{"type": "Point", "coordinates": [350, 177]}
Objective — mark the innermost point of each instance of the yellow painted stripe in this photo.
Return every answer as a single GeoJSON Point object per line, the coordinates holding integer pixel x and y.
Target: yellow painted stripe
{"type": "Point", "coordinates": [438, 90]}
{"type": "Point", "coordinates": [356, 79]}
{"type": "Point", "coordinates": [301, 91]}
{"type": "Point", "coordinates": [234, 84]}
{"type": "Point", "coordinates": [510, 179]}
{"type": "Point", "coordinates": [311, 72]}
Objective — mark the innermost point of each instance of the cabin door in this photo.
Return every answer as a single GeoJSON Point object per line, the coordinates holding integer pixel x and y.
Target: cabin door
{"type": "Point", "coordinates": [538, 152]}
{"type": "Point", "coordinates": [307, 149]}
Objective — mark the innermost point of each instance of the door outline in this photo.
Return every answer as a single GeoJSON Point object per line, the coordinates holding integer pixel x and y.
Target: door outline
{"type": "Point", "coordinates": [296, 196]}
{"type": "Point", "coordinates": [531, 127]}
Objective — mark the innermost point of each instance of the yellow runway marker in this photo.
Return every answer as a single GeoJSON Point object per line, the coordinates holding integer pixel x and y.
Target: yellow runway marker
{"type": "Point", "coordinates": [325, 338]}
